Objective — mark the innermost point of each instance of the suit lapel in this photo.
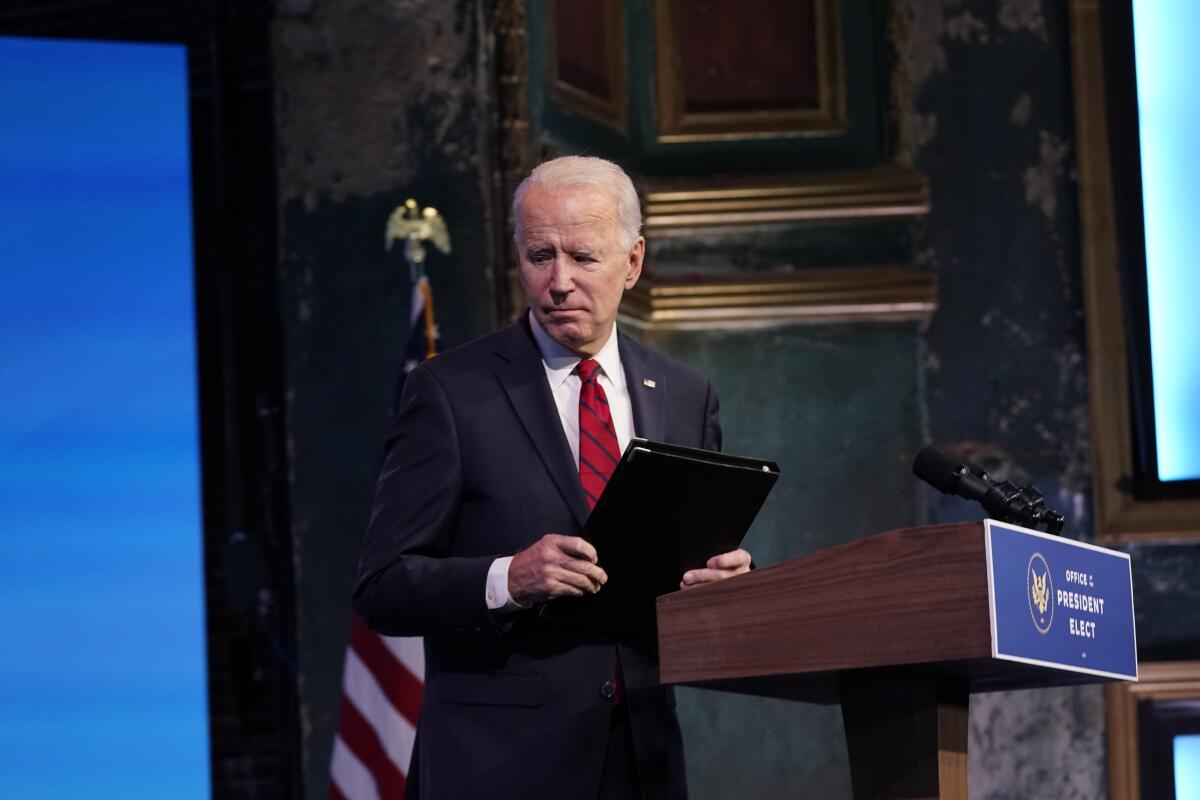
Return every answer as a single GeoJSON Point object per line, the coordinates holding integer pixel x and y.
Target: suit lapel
{"type": "Point", "coordinates": [647, 390]}
{"type": "Point", "coordinates": [523, 377]}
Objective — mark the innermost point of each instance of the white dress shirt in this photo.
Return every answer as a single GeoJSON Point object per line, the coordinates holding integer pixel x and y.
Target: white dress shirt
{"type": "Point", "coordinates": [560, 363]}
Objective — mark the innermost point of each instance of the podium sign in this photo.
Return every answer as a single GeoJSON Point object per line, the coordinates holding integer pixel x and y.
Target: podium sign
{"type": "Point", "coordinates": [1059, 603]}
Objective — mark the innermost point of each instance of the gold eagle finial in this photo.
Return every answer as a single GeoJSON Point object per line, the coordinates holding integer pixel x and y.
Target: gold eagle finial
{"type": "Point", "coordinates": [415, 226]}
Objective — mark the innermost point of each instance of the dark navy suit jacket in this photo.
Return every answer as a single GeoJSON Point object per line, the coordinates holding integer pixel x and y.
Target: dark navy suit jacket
{"type": "Point", "coordinates": [477, 466]}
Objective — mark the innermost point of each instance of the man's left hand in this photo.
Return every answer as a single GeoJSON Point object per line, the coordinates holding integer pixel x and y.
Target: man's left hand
{"type": "Point", "coordinates": [718, 568]}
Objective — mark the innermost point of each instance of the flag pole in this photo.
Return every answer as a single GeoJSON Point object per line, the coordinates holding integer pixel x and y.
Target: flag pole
{"type": "Point", "coordinates": [383, 676]}
{"type": "Point", "coordinates": [415, 226]}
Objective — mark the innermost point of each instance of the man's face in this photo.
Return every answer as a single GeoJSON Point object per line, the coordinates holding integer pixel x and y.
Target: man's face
{"type": "Point", "coordinates": [573, 268]}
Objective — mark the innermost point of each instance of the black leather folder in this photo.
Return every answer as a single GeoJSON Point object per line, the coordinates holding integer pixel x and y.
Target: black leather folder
{"type": "Point", "coordinates": [666, 509]}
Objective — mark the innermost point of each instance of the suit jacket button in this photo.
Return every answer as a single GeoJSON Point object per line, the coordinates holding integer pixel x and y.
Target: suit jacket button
{"type": "Point", "coordinates": [606, 690]}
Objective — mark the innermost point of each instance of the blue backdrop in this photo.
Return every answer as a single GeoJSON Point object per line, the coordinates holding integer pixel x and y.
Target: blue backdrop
{"type": "Point", "coordinates": [1187, 767]}
{"type": "Point", "coordinates": [102, 658]}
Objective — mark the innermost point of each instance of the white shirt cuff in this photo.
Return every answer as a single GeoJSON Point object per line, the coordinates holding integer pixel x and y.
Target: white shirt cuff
{"type": "Point", "coordinates": [496, 592]}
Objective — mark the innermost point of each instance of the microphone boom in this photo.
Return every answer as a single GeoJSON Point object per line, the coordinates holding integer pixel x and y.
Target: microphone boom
{"type": "Point", "coordinates": [1005, 501]}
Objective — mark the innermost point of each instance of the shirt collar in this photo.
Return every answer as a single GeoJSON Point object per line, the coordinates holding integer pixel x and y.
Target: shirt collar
{"type": "Point", "coordinates": [561, 362]}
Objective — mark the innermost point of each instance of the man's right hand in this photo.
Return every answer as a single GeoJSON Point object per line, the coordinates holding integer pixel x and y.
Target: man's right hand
{"type": "Point", "coordinates": [554, 566]}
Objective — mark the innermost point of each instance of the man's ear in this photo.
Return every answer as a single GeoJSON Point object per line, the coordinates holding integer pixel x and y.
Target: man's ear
{"type": "Point", "coordinates": [636, 255]}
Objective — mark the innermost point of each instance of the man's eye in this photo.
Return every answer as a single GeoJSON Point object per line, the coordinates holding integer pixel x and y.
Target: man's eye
{"type": "Point", "coordinates": [539, 256]}
{"type": "Point", "coordinates": [584, 258]}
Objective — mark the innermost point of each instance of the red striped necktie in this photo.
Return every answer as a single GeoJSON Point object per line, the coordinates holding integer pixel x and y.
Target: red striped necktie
{"type": "Point", "coordinates": [599, 453]}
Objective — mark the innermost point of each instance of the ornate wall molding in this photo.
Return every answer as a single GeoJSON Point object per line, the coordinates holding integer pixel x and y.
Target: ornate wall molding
{"type": "Point", "coordinates": [839, 294]}
{"type": "Point", "coordinates": [515, 147]}
{"type": "Point", "coordinates": [888, 191]}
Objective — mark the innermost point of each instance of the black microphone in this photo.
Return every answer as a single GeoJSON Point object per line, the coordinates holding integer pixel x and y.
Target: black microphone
{"type": "Point", "coordinates": [1002, 501]}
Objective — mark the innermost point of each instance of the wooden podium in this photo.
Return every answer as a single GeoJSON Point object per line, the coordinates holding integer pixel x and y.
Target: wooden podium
{"type": "Point", "coordinates": [895, 626]}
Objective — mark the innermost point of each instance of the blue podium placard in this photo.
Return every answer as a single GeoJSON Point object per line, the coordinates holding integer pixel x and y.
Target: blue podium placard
{"type": "Point", "coordinates": [1060, 603]}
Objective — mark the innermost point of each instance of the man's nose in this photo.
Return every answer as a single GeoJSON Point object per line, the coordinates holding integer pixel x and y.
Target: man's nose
{"type": "Point", "coordinates": [561, 281]}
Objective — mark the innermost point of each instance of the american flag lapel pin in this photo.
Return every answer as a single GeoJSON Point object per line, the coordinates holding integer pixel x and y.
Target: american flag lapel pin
{"type": "Point", "coordinates": [648, 383]}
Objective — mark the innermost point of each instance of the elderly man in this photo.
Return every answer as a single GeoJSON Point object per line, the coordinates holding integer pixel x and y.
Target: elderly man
{"type": "Point", "coordinates": [494, 459]}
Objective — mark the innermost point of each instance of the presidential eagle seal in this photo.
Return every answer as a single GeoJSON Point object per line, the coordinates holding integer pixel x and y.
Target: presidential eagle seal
{"type": "Point", "coordinates": [1039, 588]}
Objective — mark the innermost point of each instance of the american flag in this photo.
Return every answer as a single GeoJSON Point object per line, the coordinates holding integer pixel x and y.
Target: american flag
{"type": "Point", "coordinates": [381, 698]}
{"type": "Point", "coordinates": [382, 680]}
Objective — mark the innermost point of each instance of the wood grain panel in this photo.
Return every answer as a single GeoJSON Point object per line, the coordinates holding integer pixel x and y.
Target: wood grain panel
{"type": "Point", "coordinates": [910, 596]}
{"type": "Point", "coordinates": [752, 55]}
{"type": "Point", "coordinates": [755, 69]}
{"type": "Point", "coordinates": [578, 28]}
{"type": "Point", "coordinates": [906, 735]}
{"type": "Point", "coordinates": [585, 56]}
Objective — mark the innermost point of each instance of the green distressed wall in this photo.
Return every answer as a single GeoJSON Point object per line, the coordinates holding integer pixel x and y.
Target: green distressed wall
{"type": "Point", "coordinates": [839, 408]}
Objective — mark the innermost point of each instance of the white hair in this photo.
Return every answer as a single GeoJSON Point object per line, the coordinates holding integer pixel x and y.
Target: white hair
{"type": "Point", "coordinates": [569, 172]}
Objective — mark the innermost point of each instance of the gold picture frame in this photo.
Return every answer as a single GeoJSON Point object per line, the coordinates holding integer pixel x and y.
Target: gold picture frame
{"type": "Point", "coordinates": [1162, 680]}
{"type": "Point", "coordinates": [1119, 515]}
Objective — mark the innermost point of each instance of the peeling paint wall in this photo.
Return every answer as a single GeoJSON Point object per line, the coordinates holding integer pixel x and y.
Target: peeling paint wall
{"type": "Point", "coordinates": [366, 89]}
{"type": "Point", "coordinates": [376, 101]}
{"type": "Point", "coordinates": [987, 115]}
